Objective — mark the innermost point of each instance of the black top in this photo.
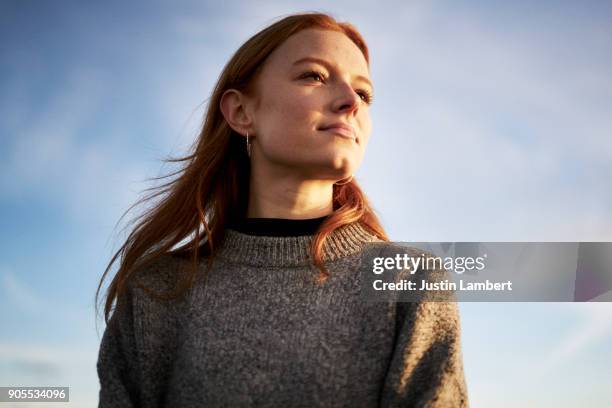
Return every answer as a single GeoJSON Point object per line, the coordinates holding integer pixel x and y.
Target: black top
{"type": "Point", "coordinates": [277, 227]}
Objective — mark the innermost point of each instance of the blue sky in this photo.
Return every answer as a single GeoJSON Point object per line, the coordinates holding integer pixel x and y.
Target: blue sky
{"type": "Point", "coordinates": [491, 122]}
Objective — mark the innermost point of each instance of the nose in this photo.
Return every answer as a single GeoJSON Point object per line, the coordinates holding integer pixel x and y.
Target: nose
{"type": "Point", "coordinates": [347, 99]}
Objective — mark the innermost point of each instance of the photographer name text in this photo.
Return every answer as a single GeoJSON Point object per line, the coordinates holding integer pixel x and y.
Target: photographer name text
{"type": "Point", "coordinates": [405, 284]}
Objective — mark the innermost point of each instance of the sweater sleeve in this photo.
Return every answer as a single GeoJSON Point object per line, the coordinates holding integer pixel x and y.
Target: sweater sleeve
{"type": "Point", "coordinates": [426, 367]}
{"type": "Point", "coordinates": [117, 360]}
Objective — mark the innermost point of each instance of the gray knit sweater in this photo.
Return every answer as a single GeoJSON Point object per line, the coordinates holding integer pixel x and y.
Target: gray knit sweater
{"type": "Point", "coordinates": [259, 332]}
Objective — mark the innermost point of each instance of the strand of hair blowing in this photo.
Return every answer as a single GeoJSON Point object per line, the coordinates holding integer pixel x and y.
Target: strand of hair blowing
{"type": "Point", "coordinates": [188, 214]}
{"type": "Point", "coordinates": [350, 205]}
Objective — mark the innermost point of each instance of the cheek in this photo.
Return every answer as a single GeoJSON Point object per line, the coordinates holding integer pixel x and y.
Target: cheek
{"type": "Point", "coordinates": [286, 115]}
{"type": "Point", "coordinates": [280, 120]}
{"type": "Point", "coordinates": [283, 109]}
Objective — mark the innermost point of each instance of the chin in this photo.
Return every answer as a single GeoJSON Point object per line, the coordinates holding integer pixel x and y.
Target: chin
{"type": "Point", "coordinates": [344, 163]}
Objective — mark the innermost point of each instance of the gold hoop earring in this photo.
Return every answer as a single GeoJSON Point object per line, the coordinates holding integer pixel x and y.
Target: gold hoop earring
{"type": "Point", "coordinates": [345, 182]}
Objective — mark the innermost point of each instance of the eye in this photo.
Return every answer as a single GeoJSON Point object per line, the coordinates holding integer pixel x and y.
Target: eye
{"type": "Point", "coordinates": [365, 95]}
{"type": "Point", "coordinates": [313, 74]}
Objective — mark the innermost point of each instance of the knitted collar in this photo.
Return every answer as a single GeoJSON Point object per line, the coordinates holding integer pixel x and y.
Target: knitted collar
{"type": "Point", "coordinates": [291, 251]}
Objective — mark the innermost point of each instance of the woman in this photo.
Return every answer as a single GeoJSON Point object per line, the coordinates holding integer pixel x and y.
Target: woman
{"type": "Point", "coordinates": [239, 288]}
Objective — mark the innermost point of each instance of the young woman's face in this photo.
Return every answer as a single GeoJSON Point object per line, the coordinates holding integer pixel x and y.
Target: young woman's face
{"type": "Point", "coordinates": [299, 97]}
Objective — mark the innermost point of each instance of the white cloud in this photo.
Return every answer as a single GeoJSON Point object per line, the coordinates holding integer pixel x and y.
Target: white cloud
{"type": "Point", "coordinates": [594, 325]}
{"type": "Point", "coordinates": [35, 364]}
{"type": "Point", "coordinates": [478, 128]}
{"type": "Point", "coordinates": [20, 294]}
{"type": "Point", "coordinates": [41, 360]}
{"type": "Point", "coordinates": [52, 158]}
{"type": "Point", "coordinates": [492, 136]}
{"type": "Point", "coordinates": [48, 140]}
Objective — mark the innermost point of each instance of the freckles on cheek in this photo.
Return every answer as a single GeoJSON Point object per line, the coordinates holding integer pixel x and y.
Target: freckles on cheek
{"type": "Point", "coordinates": [295, 102]}
{"type": "Point", "coordinates": [279, 107]}
{"type": "Point", "coordinates": [293, 107]}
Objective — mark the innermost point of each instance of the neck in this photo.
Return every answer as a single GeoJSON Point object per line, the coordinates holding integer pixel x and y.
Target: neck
{"type": "Point", "coordinates": [286, 195]}
{"type": "Point", "coordinates": [277, 227]}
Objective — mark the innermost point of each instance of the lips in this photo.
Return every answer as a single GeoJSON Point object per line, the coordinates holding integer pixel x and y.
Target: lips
{"type": "Point", "coordinates": [341, 129]}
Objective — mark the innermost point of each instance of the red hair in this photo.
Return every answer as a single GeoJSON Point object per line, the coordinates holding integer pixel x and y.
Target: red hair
{"type": "Point", "coordinates": [212, 185]}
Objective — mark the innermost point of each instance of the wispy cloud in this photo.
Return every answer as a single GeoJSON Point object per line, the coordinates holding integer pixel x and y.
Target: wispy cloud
{"type": "Point", "coordinates": [43, 359]}
{"type": "Point", "coordinates": [47, 142]}
{"type": "Point", "coordinates": [44, 364]}
{"type": "Point", "coordinates": [21, 296]}
{"type": "Point", "coordinates": [52, 156]}
{"type": "Point", "coordinates": [36, 361]}
{"type": "Point", "coordinates": [594, 325]}
{"type": "Point", "coordinates": [494, 122]}
{"type": "Point", "coordinates": [487, 131]}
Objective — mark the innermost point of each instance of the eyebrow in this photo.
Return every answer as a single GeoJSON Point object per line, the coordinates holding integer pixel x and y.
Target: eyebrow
{"type": "Point", "coordinates": [328, 65]}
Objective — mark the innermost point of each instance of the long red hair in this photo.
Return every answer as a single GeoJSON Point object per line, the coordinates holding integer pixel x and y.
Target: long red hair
{"type": "Point", "coordinates": [213, 183]}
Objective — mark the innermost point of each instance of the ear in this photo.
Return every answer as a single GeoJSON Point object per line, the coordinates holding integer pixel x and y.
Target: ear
{"type": "Point", "coordinates": [233, 108]}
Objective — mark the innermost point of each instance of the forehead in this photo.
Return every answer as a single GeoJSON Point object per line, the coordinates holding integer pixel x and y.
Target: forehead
{"type": "Point", "coordinates": [333, 46]}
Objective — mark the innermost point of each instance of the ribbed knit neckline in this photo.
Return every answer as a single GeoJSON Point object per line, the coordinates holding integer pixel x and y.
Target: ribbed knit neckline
{"type": "Point", "coordinates": [291, 250]}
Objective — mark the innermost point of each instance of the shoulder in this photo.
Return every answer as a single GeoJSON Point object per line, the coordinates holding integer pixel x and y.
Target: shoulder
{"type": "Point", "coordinates": [155, 289]}
{"type": "Point", "coordinates": [162, 274]}
{"type": "Point", "coordinates": [156, 312]}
